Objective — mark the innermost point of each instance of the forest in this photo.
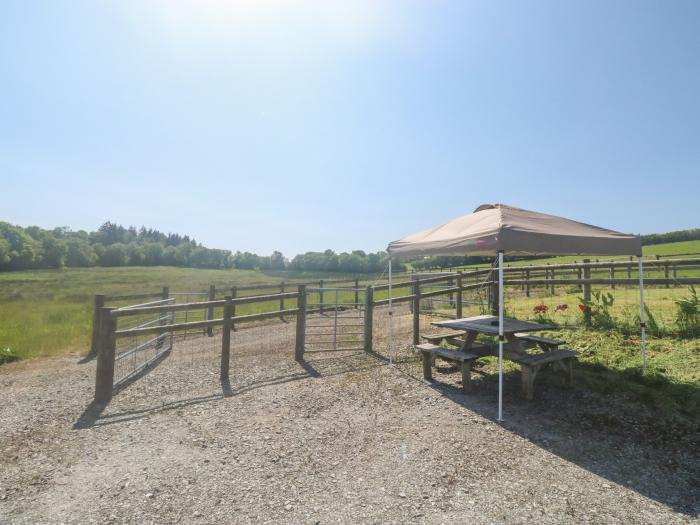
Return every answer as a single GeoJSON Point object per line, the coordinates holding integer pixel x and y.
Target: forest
{"type": "Point", "coordinates": [114, 245]}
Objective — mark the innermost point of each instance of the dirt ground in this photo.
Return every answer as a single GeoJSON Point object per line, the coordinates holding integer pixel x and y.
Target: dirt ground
{"type": "Point", "coordinates": [340, 439]}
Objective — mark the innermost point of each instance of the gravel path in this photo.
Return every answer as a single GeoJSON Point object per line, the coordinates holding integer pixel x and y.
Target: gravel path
{"type": "Point", "coordinates": [343, 439]}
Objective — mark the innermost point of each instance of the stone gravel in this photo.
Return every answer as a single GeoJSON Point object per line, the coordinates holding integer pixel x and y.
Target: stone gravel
{"type": "Point", "coordinates": [342, 439]}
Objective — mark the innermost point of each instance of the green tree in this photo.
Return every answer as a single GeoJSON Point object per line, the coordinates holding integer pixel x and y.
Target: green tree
{"type": "Point", "coordinates": [114, 255]}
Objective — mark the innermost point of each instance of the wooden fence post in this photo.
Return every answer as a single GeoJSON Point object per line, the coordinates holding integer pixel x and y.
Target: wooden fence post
{"type": "Point", "coordinates": [410, 305]}
{"type": "Point", "coordinates": [104, 375]}
{"type": "Point", "coordinates": [210, 310]}
{"type": "Point", "coordinates": [234, 294]}
{"type": "Point", "coordinates": [666, 275]}
{"type": "Point", "coordinates": [675, 274]}
{"type": "Point", "coordinates": [551, 276]}
{"type": "Point", "coordinates": [450, 296]}
{"type": "Point", "coordinates": [527, 284]}
{"type": "Point", "coordinates": [357, 293]}
{"type": "Point", "coordinates": [580, 276]}
{"type": "Point", "coordinates": [612, 276]}
{"type": "Point", "coordinates": [629, 268]}
{"type": "Point", "coordinates": [369, 314]}
{"type": "Point", "coordinates": [226, 340]}
{"type": "Point", "coordinates": [301, 323]}
{"type": "Point", "coordinates": [165, 295]}
{"type": "Point", "coordinates": [320, 296]}
{"type": "Point", "coordinates": [493, 297]}
{"type": "Point", "coordinates": [587, 290]}
{"type": "Point", "coordinates": [458, 312]}
{"type": "Point", "coordinates": [416, 312]}
{"type": "Point", "coordinates": [282, 300]}
{"type": "Point", "coordinates": [94, 343]}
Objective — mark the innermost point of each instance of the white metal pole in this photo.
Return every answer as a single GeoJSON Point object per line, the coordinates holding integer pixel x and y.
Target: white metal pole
{"type": "Point", "coordinates": [500, 335]}
{"type": "Point", "coordinates": [391, 321]}
{"type": "Point", "coordinates": [642, 323]}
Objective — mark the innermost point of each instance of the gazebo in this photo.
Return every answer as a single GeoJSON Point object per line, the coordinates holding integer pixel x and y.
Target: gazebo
{"type": "Point", "coordinates": [498, 229]}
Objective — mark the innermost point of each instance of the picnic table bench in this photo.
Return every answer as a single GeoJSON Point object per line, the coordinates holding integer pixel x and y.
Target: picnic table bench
{"type": "Point", "coordinates": [514, 348]}
{"type": "Point", "coordinates": [531, 364]}
{"type": "Point", "coordinates": [455, 338]}
{"type": "Point", "coordinates": [430, 351]}
{"type": "Point", "coordinates": [545, 343]}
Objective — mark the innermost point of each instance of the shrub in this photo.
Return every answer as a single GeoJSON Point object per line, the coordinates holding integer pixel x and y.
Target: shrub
{"type": "Point", "coordinates": [688, 314]}
{"type": "Point", "coordinates": [7, 355]}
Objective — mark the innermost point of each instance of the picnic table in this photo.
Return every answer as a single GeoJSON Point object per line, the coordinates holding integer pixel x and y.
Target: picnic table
{"type": "Point", "coordinates": [514, 348]}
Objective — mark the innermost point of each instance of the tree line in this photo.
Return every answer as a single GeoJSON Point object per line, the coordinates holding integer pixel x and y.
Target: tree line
{"type": "Point", "coordinates": [114, 245]}
{"type": "Point", "coordinates": [692, 234]}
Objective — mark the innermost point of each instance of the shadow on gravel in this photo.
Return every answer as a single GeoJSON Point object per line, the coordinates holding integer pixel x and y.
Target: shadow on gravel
{"type": "Point", "coordinates": [625, 443]}
{"type": "Point", "coordinates": [323, 366]}
{"type": "Point", "coordinates": [92, 416]}
{"type": "Point", "coordinates": [86, 359]}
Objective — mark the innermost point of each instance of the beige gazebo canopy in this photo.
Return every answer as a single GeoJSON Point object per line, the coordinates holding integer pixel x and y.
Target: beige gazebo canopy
{"type": "Point", "coordinates": [495, 229]}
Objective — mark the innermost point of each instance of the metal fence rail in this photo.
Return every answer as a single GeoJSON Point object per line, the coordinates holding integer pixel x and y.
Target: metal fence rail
{"type": "Point", "coordinates": [136, 353]}
{"type": "Point", "coordinates": [334, 320]}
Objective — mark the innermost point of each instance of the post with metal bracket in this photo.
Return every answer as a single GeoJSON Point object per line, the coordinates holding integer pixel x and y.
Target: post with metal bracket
{"type": "Point", "coordinates": [369, 309]}
{"type": "Point", "coordinates": [104, 376]}
{"type": "Point", "coordinates": [301, 323]}
{"type": "Point", "coordinates": [226, 339]}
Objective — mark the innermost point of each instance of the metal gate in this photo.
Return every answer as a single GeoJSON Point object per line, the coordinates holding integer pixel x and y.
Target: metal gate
{"type": "Point", "coordinates": [335, 320]}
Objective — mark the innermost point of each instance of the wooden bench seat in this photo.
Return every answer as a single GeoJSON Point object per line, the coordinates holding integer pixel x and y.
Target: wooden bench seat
{"type": "Point", "coordinates": [545, 343]}
{"type": "Point", "coordinates": [429, 351]}
{"type": "Point", "coordinates": [532, 363]}
{"type": "Point", "coordinates": [436, 339]}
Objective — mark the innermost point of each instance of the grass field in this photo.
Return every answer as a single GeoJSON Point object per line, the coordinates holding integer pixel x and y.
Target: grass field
{"type": "Point", "coordinates": [46, 312]}
{"type": "Point", "coordinates": [609, 359]}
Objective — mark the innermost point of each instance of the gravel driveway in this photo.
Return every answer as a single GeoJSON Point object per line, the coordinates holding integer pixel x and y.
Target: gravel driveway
{"type": "Point", "coordinates": [342, 439]}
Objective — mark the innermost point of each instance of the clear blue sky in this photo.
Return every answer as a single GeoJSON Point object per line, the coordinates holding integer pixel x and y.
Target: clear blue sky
{"type": "Point", "coordinates": [297, 126]}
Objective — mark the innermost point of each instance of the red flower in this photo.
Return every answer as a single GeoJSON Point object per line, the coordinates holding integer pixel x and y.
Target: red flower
{"type": "Point", "coordinates": [582, 307]}
{"type": "Point", "coordinates": [540, 308]}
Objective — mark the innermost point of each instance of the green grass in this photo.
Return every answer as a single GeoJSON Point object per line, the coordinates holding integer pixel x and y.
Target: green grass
{"type": "Point", "coordinates": [610, 359]}
{"type": "Point", "coordinates": [49, 312]}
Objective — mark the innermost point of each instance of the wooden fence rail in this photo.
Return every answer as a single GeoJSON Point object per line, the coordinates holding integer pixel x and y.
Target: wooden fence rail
{"type": "Point", "coordinates": [105, 331]}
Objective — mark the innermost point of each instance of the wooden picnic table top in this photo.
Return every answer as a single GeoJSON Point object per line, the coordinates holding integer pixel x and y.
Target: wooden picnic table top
{"type": "Point", "coordinates": [488, 324]}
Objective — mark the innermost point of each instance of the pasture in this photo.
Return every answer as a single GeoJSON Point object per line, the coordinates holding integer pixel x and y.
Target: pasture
{"type": "Point", "coordinates": [49, 312]}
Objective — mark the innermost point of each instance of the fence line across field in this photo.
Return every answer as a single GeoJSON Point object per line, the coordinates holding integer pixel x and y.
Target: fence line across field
{"type": "Point", "coordinates": [123, 346]}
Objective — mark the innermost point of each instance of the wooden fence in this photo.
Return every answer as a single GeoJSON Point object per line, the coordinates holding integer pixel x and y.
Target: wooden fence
{"type": "Point", "coordinates": [106, 332]}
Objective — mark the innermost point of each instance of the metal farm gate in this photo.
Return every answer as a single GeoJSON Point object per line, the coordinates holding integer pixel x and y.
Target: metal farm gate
{"type": "Point", "coordinates": [335, 320]}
